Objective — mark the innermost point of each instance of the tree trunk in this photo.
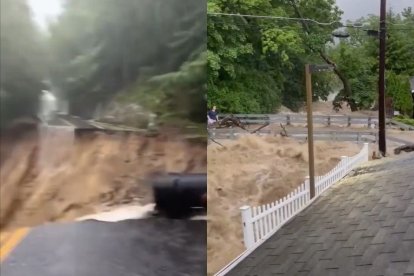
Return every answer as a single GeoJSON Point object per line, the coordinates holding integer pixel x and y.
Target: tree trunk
{"type": "Point", "coordinates": [339, 73]}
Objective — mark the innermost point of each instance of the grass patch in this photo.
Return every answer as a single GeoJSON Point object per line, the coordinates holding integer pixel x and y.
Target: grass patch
{"type": "Point", "coordinates": [405, 120]}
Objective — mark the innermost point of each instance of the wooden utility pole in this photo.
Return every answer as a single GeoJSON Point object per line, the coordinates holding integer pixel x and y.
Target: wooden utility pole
{"type": "Point", "coordinates": [309, 100]}
{"type": "Point", "coordinates": [381, 81]}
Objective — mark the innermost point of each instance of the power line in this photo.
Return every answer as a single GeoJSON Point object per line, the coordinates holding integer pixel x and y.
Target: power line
{"type": "Point", "coordinates": [362, 28]}
{"type": "Point", "coordinates": [295, 19]}
{"type": "Point", "coordinates": [274, 17]}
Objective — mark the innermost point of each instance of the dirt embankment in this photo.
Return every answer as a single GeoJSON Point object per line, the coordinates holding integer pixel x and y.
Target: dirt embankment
{"type": "Point", "coordinates": [47, 175]}
{"type": "Point", "coordinates": [252, 171]}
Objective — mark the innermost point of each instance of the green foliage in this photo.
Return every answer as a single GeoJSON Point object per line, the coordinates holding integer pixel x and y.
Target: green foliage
{"type": "Point", "coordinates": [398, 87]}
{"type": "Point", "coordinates": [21, 62]}
{"type": "Point", "coordinates": [184, 89]}
{"type": "Point", "coordinates": [357, 66]}
{"type": "Point", "coordinates": [357, 57]}
{"type": "Point", "coordinates": [255, 65]}
{"type": "Point", "coordinates": [254, 92]}
{"type": "Point", "coordinates": [100, 48]}
{"type": "Point", "coordinates": [152, 53]}
{"type": "Point", "coordinates": [404, 120]}
{"type": "Point", "coordinates": [275, 52]}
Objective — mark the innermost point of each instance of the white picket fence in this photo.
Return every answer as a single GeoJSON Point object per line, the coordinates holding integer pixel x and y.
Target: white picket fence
{"type": "Point", "coordinates": [261, 222]}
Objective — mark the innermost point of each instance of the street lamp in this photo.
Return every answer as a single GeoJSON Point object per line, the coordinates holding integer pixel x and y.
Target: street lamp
{"type": "Point", "coordinates": [309, 70]}
{"type": "Point", "coordinates": [340, 33]}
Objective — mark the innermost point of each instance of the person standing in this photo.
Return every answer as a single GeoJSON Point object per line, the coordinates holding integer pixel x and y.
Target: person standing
{"type": "Point", "coordinates": [212, 116]}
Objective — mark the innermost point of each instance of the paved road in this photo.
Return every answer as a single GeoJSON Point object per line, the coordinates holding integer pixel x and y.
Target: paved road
{"type": "Point", "coordinates": [364, 225]}
{"type": "Point", "coordinates": [398, 140]}
{"type": "Point", "coordinates": [146, 247]}
{"type": "Point", "coordinates": [69, 120]}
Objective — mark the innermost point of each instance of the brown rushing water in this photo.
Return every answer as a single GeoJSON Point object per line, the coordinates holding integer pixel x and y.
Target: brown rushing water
{"type": "Point", "coordinates": [47, 175]}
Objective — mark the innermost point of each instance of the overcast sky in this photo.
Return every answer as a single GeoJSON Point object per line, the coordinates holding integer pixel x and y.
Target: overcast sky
{"type": "Point", "coordinates": [354, 9]}
{"type": "Point", "coordinates": [43, 10]}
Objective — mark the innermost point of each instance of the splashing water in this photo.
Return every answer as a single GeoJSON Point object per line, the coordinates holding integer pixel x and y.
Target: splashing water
{"type": "Point", "coordinates": [128, 212]}
{"type": "Point", "coordinates": [48, 106]}
{"type": "Point", "coordinates": [54, 141]}
{"type": "Point", "coordinates": [122, 213]}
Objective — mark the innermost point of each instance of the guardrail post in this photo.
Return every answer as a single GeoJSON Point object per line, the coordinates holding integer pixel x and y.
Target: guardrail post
{"type": "Point", "coordinates": [248, 234]}
{"type": "Point", "coordinates": [349, 121]}
{"type": "Point", "coordinates": [369, 121]}
{"type": "Point", "coordinates": [358, 137]}
{"type": "Point", "coordinates": [288, 120]}
{"type": "Point", "coordinates": [329, 120]}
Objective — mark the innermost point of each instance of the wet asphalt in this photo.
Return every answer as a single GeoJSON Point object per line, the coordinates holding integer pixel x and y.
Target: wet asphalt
{"type": "Point", "coordinates": [153, 246]}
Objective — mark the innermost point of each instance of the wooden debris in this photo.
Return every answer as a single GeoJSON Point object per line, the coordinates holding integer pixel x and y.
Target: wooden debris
{"type": "Point", "coordinates": [375, 156]}
{"type": "Point", "coordinates": [217, 142]}
{"type": "Point", "coordinates": [284, 132]}
{"type": "Point", "coordinates": [406, 148]}
{"type": "Point", "coordinates": [231, 121]}
{"type": "Point", "coordinates": [256, 130]}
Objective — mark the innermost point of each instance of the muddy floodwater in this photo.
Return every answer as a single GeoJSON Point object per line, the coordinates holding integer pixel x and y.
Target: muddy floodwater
{"type": "Point", "coordinates": [47, 174]}
{"type": "Point", "coordinates": [253, 171]}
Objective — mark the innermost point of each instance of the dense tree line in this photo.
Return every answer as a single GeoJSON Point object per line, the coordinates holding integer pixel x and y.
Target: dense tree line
{"type": "Point", "coordinates": [22, 61]}
{"type": "Point", "coordinates": [358, 58]}
{"type": "Point", "coordinates": [166, 55]}
{"type": "Point", "coordinates": [144, 47]}
{"type": "Point", "coordinates": [152, 53]}
{"type": "Point", "coordinates": [256, 65]}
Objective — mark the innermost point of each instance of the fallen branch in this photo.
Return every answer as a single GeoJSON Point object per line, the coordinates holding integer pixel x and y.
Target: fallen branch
{"type": "Point", "coordinates": [261, 127]}
{"type": "Point", "coordinates": [406, 148]}
{"type": "Point", "coordinates": [231, 121]}
{"type": "Point", "coordinates": [217, 142]}
{"type": "Point", "coordinates": [284, 132]}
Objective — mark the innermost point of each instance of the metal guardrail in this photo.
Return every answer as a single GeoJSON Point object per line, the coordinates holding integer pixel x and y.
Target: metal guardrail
{"type": "Point", "coordinates": [400, 125]}
{"type": "Point", "coordinates": [289, 119]}
{"type": "Point", "coordinates": [354, 136]}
